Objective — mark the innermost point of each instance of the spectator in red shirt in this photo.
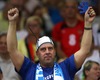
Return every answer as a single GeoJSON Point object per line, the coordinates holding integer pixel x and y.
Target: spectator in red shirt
{"type": "Point", "coordinates": [67, 34]}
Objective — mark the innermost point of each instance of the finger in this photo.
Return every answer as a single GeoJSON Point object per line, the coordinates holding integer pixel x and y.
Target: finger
{"type": "Point", "coordinates": [91, 12]}
{"type": "Point", "coordinates": [10, 11]}
{"type": "Point", "coordinates": [13, 11]}
{"type": "Point", "coordinates": [91, 9]}
{"type": "Point", "coordinates": [88, 9]}
{"type": "Point", "coordinates": [16, 10]}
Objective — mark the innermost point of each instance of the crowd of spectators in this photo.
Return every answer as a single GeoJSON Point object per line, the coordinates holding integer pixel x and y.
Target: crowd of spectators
{"type": "Point", "coordinates": [58, 19]}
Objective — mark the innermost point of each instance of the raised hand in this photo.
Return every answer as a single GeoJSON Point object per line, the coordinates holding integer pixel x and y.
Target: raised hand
{"type": "Point", "coordinates": [89, 15]}
{"type": "Point", "coordinates": [13, 14]}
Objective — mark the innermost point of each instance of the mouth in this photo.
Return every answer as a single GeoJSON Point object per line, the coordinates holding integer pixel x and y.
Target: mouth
{"type": "Point", "coordinates": [47, 57]}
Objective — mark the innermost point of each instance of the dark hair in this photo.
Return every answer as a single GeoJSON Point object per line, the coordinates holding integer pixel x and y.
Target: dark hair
{"type": "Point", "coordinates": [36, 8]}
{"type": "Point", "coordinates": [3, 34]}
{"type": "Point", "coordinates": [0, 71]}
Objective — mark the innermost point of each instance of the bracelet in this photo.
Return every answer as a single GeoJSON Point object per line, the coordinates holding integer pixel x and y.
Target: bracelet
{"type": "Point", "coordinates": [88, 28]}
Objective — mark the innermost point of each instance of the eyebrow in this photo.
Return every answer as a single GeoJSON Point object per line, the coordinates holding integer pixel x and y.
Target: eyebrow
{"type": "Point", "coordinates": [47, 47]}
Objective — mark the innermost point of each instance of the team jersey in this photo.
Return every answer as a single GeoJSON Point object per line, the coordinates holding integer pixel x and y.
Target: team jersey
{"type": "Point", "coordinates": [28, 70]}
{"type": "Point", "coordinates": [69, 37]}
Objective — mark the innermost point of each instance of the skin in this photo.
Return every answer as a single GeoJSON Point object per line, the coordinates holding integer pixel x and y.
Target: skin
{"type": "Point", "coordinates": [93, 73]}
{"type": "Point", "coordinates": [70, 10]}
{"type": "Point", "coordinates": [3, 48]}
{"type": "Point", "coordinates": [35, 27]}
{"type": "Point", "coordinates": [46, 54]}
{"type": "Point", "coordinates": [3, 45]}
{"type": "Point", "coordinates": [46, 57]}
{"type": "Point", "coordinates": [69, 13]}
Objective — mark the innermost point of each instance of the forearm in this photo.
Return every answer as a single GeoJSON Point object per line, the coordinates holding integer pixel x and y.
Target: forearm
{"type": "Point", "coordinates": [86, 42]}
{"type": "Point", "coordinates": [86, 39]}
{"type": "Point", "coordinates": [11, 37]}
{"type": "Point", "coordinates": [16, 57]}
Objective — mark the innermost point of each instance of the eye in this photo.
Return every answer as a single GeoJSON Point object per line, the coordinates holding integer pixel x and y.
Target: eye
{"type": "Point", "coordinates": [43, 49]}
{"type": "Point", "coordinates": [50, 48]}
{"type": "Point", "coordinates": [96, 68]}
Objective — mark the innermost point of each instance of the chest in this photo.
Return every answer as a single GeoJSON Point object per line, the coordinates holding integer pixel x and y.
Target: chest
{"type": "Point", "coordinates": [48, 74]}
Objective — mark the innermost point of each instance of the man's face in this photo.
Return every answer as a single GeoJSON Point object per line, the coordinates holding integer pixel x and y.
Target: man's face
{"type": "Point", "coordinates": [94, 72]}
{"type": "Point", "coordinates": [69, 10]}
{"type": "Point", "coordinates": [46, 54]}
{"type": "Point", "coordinates": [3, 45]}
{"type": "Point", "coordinates": [38, 12]}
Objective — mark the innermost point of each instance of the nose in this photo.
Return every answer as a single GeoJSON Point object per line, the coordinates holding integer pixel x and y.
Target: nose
{"type": "Point", "coordinates": [47, 51]}
{"type": "Point", "coordinates": [98, 71]}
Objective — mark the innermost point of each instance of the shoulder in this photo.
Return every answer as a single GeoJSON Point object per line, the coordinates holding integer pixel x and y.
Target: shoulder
{"type": "Point", "coordinates": [28, 69]}
{"type": "Point", "coordinates": [68, 61]}
{"type": "Point", "coordinates": [57, 27]}
{"type": "Point", "coordinates": [69, 67]}
{"type": "Point", "coordinates": [81, 22]}
{"type": "Point", "coordinates": [59, 24]}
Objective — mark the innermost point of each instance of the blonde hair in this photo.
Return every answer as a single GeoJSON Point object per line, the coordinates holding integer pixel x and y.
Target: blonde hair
{"type": "Point", "coordinates": [34, 18]}
{"type": "Point", "coordinates": [87, 67]}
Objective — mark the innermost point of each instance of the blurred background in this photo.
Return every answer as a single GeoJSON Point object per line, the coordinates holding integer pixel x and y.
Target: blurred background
{"type": "Point", "coordinates": [58, 19]}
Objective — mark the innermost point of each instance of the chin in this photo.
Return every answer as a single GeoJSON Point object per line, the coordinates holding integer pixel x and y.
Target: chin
{"type": "Point", "coordinates": [49, 62]}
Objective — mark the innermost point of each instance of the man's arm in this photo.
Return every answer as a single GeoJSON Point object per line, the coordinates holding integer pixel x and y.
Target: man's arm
{"type": "Point", "coordinates": [16, 57]}
{"type": "Point", "coordinates": [81, 55]}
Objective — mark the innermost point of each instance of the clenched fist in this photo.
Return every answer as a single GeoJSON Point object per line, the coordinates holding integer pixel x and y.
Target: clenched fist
{"type": "Point", "coordinates": [90, 15]}
{"type": "Point", "coordinates": [13, 14]}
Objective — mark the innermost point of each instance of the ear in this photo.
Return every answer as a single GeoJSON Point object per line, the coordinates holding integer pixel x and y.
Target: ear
{"type": "Point", "coordinates": [87, 72]}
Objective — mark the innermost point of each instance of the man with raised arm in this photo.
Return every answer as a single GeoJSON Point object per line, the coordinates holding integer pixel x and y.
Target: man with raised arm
{"type": "Point", "coordinates": [47, 69]}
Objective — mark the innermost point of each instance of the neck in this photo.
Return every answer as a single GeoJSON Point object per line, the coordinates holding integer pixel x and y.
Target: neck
{"type": "Point", "coordinates": [71, 22]}
{"type": "Point", "coordinates": [47, 65]}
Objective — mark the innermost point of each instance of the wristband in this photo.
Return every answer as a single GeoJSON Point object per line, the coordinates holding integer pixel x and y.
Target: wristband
{"type": "Point", "coordinates": [88, 28]}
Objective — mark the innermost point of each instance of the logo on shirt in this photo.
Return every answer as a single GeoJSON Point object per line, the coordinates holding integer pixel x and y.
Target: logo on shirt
{"type": "Point", "coordinates": [72, 39]}
{"type": "Point", "coordinates": [48, 77]}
